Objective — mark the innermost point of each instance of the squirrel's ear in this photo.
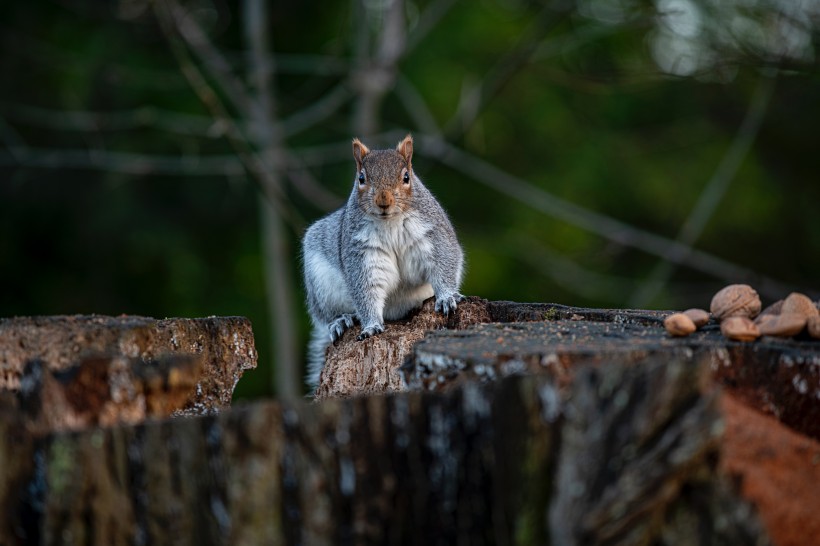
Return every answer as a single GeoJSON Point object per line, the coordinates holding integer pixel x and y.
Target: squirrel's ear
{"type": "Point", "coordinates": [405, 148]}
{"type": "Point", "coordinates": [359, 151]}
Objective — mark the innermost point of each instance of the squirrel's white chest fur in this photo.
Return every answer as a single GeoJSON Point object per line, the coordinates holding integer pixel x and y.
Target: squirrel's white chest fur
{"type": "Point", "coordinates": [397, 253]}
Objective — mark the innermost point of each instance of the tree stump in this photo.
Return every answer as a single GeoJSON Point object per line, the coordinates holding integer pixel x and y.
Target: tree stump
{"type": "Point", "coordinates": [580, 426]}
{"type": "Point", "coordinates": [77, 371]}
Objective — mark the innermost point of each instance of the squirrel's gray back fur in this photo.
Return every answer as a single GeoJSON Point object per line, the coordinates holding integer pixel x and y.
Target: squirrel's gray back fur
{"type": "Point", "coordinates": [359, 266]}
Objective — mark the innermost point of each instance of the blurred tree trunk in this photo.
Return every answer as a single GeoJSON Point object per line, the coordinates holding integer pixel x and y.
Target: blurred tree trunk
{"type": "Point", "coordinates": [380, 46]}
{"type": "Point", "coordinates": [267, 139]}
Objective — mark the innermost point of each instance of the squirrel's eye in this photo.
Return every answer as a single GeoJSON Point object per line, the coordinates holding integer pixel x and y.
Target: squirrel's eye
{"type": "Point", "coordinates": [406, 177]}
{"type": "Point", "coordinates": [361, 177]}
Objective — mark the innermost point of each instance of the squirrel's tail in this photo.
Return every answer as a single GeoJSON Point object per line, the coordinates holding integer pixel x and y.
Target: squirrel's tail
{"type": "Point", "coordinates": [317, 347]}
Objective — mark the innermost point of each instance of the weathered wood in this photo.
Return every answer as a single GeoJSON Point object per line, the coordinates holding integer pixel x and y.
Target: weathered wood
{"type": "Point", "coordinates": [777, 469]}
{"type": "Point", "coordinates": [777, 376]}
{"type": "Point", "coordinates": [475, 465]}
{"type": "Point", "coordinates": [372, 366]}
{"type": "Point", "coordinates": [614, 436]}
{"type": "Point", "coordinates": [408, 469]}
{"type": "Point", "coordinates": [71, 344]}
{"type": "Point", "coordinates": [636, 463]}
{"type": "Point", "coordinates": [104, 391]}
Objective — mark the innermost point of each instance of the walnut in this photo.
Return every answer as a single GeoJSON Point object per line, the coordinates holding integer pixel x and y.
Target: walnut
{"type": "Point", "coordinates": [739, 329]}
{"type": "Point", "coordinates": [799, 304]}
{"type": "Point", "coordinates": [735, 300]}
{"type": "Point", "coordinates": [782, 325]}
{"type": "Point", "coordinates": [773, 309]}
{"type": "Point", "coordinates": [698, 316]}
{"type": "Point", "coordinates": [679, 324]}
{"type": "Point", "coordinates": [813, 326]}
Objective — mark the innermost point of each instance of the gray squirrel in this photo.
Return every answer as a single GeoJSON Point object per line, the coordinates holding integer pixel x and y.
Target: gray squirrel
{"type": "Point", "coordinates": [390, 247]}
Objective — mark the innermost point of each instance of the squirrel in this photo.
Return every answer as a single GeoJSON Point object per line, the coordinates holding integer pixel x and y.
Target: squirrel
{"type": "Point", "coordinates": [379, 256]}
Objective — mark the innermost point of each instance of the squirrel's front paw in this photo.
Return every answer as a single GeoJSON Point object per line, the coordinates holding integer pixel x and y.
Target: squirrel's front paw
{"type": "Point", "coordinates": [339, 325]}
{"type": "Point", "coordinates": [447, 304]}
{"type": "Point", "coordinates": [371, 330]}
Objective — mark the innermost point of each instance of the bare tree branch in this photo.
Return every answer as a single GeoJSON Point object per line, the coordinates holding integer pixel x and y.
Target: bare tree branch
{"type": "Point", "coordinates": [375, 72]}
{"type": "Point", "coordinates": [66, 60]}
{"type": "Point", "coordinates": [277, 254]}
{"type": "Point", "coordinates": [600, 224]}
{"type": "Point", "coordinates": [579, 37]}
{"type": "Point", "coordinates": [416, 106]}
{"type": "Point", "coordinates": [166, 120]}
{"type": "Point", "coordinates": [323, 154]}
{"type": "Point", "coordinates": [210, 57]}
{"type": "Point", "coordinates": [13, 141]}
{"type": "Point", "coordinates": [304, 182]}
{"type": "Point", "coordinates": [712, 193]}
{"type": "Point", "coordinates": [567, 273]}
{"type": "Point", "coordinates": [428, 21]}
{"type": "Point", "coordinates": [122, 120]}
{"type": "Point", "coordinates": [474, 100]}
{"type": "Point", "coordinates": [318, 111]}
{"type": "Point", "coordinates": [314, 65]}
{"type": "Point", "coordinates": [256, 166]}
{"type": "Point", "coordinates": [127, 163]}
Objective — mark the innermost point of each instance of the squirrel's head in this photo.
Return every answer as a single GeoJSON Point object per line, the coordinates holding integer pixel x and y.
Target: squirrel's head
{"type": "Point", "coordinates": [384, 178]}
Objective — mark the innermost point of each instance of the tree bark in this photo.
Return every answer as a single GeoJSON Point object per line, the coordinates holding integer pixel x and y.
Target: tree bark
{"type": "Point", "coordinates": [373, 366]}
{"type": "Point", "coordinates": [476, 465]}
{"type": "Point", "coordinates": [593, 432]}
{"type": "Point", "coordinates": [155, 367]}
{"type": "Point", "coordinates": [278, 257]}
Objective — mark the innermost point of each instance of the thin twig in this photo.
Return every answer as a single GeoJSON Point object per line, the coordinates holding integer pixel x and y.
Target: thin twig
{"type": "Point", "coordinates": [126, 162]}
{"type": "Point", "coordinates": [416, 106]}
{"type": "Point", "coordinates": [567, 273]}
{"type": "Point", "coordinates": [323, 154]}
{"type": "Point", "coordinates": [474, 100]}
{"type": "Point", "coordinates": [280, 288]}
{"type": "Point", "coordinates": [318, 111]}
{"type": "Point", "coordinates": [712, 193]}
{"type": "Point", "coordinates": [121, 120]}
{"type": "Point", "coordinates": [310, 188]}
{"type": "Point", "coordinates": [594, 222]}
{"type": "Point", "coordinates": [427, 21]}
{"type": "Point", "coordinates": [564, 44]}
{"type": "Point", "coordinates": [375, 72]}
{"type": "Point", "coordinates": [259, 171]}
{"type": "Point", "coordinates": [13, 141]}
{"type": "Point", "coordinates": [215, 63]}
{"type": "Point", "coordinates": [68, 60]}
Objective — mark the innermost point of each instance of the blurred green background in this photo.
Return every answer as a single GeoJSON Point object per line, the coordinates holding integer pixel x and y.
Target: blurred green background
{"type": "Point", "coordinates": [163, 158]}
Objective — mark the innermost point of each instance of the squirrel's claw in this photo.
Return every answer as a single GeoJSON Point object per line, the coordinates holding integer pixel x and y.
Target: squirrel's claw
{"type": "Point", "coordinates": [371, 330]}
{"type": "Point", "coordinates": [447, 304]}
{"type": "Point", "coordinates": [339, 325]}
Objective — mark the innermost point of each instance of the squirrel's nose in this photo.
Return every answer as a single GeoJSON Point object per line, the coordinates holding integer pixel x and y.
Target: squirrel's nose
{"type": "Point", "coordinates": [384, 200]}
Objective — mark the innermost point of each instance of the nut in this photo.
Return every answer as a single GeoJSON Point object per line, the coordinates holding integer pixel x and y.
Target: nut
{"type": "Point", "coordinates": [698, 316]}
{"type": "Point", "coordinates": [679, 324]}
{"type": "Point", "coordinates": [782, 325]}
{"type": "Point", "coordinates": [773, 309]}
{"type": "Point", "coordinates": [735, 300]}
{"type": "Point", "coordinates": [739, 329]}
{"type": "Point", "coordinates": [799, 304]}
{"type": "Point", "coordinates": [813, 326]}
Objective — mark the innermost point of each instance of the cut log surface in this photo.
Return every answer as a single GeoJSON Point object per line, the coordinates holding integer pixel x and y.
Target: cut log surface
{"type": "Point", "coordinates": [490, 340]}
{"type": "Point", "coordinates": [776, 376]}
{"type": "Point", "coordinates": [74, 371]}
